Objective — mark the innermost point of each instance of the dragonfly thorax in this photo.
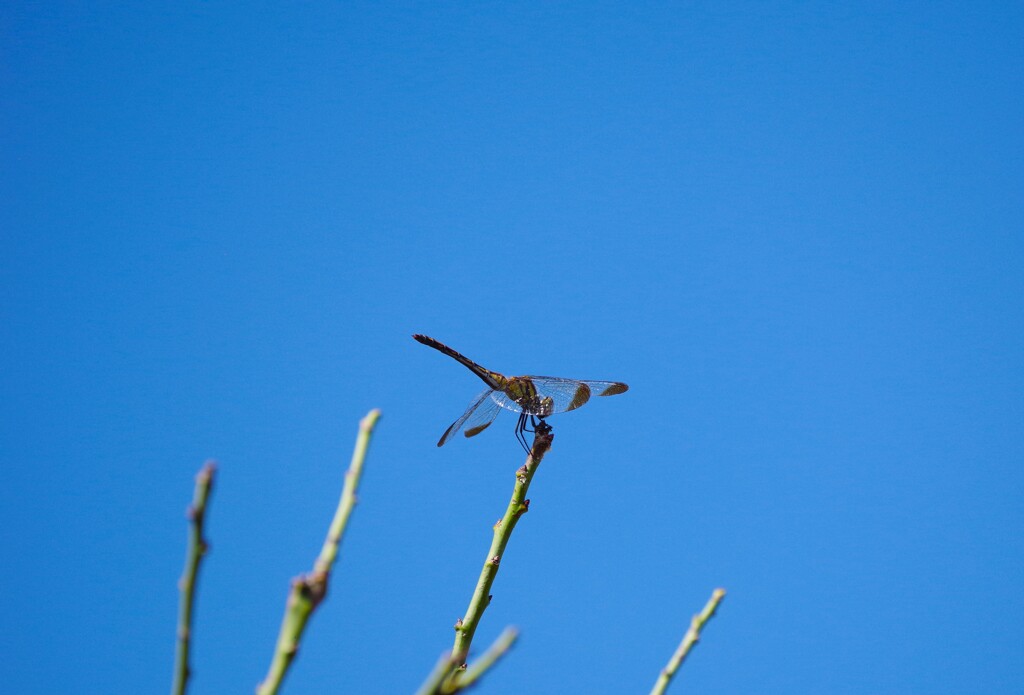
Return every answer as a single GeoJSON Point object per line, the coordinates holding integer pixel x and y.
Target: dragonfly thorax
{"type": "Point", "coordinates": [522, 396]}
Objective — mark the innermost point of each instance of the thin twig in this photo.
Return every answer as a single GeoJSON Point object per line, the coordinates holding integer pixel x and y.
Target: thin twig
{"type": "Point", "coordinates": [446, 665]}
{"type": "Point", "coordinates": [692, 636]}
{"type": "Point", "coordinates": [439, 682]}
{"type": "Point", "coordinates": [309, 590]}
{"type": "Point", "coordinates": [490, 657]}
{"type": "Point", "coordinates": [197, 548]}
{"type": "Point", "coordinates": [466, 627]}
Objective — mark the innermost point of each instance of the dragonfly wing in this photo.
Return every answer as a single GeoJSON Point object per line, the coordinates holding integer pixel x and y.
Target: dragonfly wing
{"type": "Point", "coordinates": [569, 394]}
{"type": "Point", "coordinates": [607, 388]}
{"type": "Point", "coordinates": [482, 418]}
{"type": "Point", "coordinates": [477, 417]}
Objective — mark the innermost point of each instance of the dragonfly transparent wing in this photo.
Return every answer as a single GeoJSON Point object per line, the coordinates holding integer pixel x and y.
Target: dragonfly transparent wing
{"type": "Point", "coordinates": [565, 394]}
{"type": "Point", "coordinates": [478, 416]}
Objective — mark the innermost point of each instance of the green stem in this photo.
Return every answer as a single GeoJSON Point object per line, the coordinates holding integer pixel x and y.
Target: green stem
{"type": "Point", "coordinates": [435, 681]}
{"type": "Point", "coordinates": [466, 627]}
{"type": "Point", "coordinates": [692, 636]}
{"type": "Point", "coordinates": [197, 548]}
{"type": "Point", "coordinates": [309, 590]}
{"type": "Point", "coordinates": [439, 682]}
{"type": "Point", "coordinates": [490, 657]}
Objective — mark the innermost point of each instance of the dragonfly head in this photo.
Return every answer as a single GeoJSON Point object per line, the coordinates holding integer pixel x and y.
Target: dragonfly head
{"type": "Point", "coordinates": [544, 408]}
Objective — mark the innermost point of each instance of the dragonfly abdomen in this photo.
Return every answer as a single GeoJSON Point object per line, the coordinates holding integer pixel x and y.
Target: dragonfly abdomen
{"type": "Point", "coordinates": [492, 379]}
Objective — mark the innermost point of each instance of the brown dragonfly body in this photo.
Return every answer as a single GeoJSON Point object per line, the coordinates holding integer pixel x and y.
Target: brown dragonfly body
{"type": "Point", "coordinates": [533, 397]}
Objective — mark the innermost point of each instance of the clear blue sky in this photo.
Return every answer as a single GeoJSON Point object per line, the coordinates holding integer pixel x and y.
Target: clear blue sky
{"type": "Point", "coordinates": [795, 229]}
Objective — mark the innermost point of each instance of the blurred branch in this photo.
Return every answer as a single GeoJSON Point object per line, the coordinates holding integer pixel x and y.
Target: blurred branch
{"type": "Point", "coordinates": [445, 667]}
{"type": "Point", "coordinates": [490, 657]}
{"type": "Point", "coordinates": [309, 590]}
{"type": "Point", "coordinates": [439, 680]}
{"type": "Point", "coordinates": [197, 548]}
{"type": "Point", "coordinates": [466, 627]}
{"type": "Point", "coordinates": [692, 636]}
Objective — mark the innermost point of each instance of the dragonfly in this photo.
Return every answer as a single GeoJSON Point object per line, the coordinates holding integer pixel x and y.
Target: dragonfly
{"type": "Point", "coordinates": [534, 398]}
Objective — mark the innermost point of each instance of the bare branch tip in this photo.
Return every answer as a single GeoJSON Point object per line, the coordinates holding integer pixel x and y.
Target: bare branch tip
{"type": "Point", "coordinates": [206, 473]}
{"type": "Point", "coordinates": [368, 422]}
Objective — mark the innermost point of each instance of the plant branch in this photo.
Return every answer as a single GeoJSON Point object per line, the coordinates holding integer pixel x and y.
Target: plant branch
{"type": "Point", "coordinates": [310, 589]}
{"type": "Point", "coordinates": [445, 667]}
{"type": "Point", "coordinates": [466, 626]}
{"type": "Point", "coordinates": [197, 548]}
{"type": "Point", "coordinates": [692, 636]}
{"type": "Point", "coordinates": [439, 682]}
{"type": "Point", "coordinates": [490, 657]}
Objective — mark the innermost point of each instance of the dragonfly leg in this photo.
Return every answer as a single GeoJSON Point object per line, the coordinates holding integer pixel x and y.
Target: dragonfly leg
{"type": "Point", "coordinates": [520, 429]}
{"type": "Point", "coordinates": [536, 422]}
{"type": "Point", "coordinates": [542, 428]}
{"type": "Point", "coordinates": [537, 426]}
